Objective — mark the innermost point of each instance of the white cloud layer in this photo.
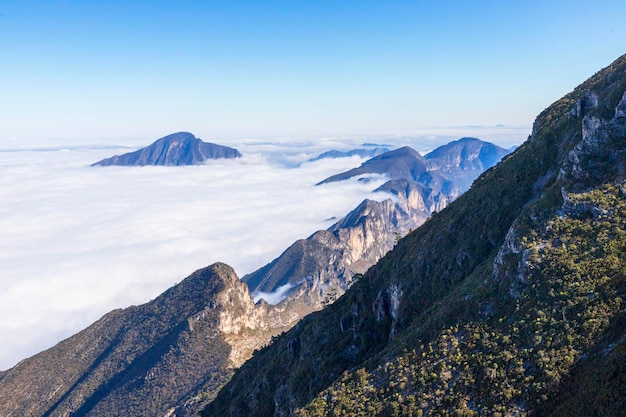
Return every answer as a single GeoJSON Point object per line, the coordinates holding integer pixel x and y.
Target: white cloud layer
{"type": "Point", "coordinates": [273, 297]}
{"type": "Point", "coordinates": [78, 241]}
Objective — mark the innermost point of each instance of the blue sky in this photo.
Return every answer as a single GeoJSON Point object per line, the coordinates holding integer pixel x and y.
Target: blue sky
{"type": "Point", "coordinates": [83, 69]}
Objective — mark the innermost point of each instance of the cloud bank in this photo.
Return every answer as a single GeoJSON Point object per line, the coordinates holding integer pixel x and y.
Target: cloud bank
{"type": "Point", "coordinates": [78, 241]}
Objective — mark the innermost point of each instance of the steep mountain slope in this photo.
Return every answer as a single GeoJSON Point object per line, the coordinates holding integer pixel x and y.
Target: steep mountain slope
{"type": "Point", "coordinates": [508, 302]}
{"type": "Point", "coordinates": [165, 357]}
{"type": "Point", "coordinates": [324, 264]}
{"type": "Point", "coordinates": [320, 268]}
{"type": "Point", "coordinates": [180, 148]}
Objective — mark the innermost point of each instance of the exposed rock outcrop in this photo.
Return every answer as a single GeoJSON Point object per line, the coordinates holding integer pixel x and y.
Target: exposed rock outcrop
{"type": "Point", "coordinates": [320, 268]}
{"type": "Point", "coordinates": [620, 110]}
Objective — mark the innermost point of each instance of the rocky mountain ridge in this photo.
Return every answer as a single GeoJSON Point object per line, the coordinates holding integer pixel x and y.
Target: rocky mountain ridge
{"type": "Point", "coordinates": [317, 270]}
{"type": "Point", "coordinates": [454, 162]}
{"type": "Point", "coordinates": [404, 162]}
{"type": "Point", "coordinates": [177, 149]}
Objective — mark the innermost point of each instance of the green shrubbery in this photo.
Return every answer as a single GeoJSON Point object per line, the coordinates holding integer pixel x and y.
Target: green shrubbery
{"type": "Point", "coordinates": [516, 358]}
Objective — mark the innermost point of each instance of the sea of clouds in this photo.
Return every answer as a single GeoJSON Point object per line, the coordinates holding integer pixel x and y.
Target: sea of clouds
{"type": "Point", "coordinates": [78, 241]}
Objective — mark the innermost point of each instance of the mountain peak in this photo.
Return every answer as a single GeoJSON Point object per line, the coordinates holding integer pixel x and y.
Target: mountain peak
{"type": "Point", "coordinates": [404, 162]}
{"type": "Point", "coordinates": [178, 137]}
{"type": "Point", "coordinates": [181, 148]}
{"type": "Point", "coordinates": [402, 151]}
{"type": "Point", "coordinates": [465, 154]}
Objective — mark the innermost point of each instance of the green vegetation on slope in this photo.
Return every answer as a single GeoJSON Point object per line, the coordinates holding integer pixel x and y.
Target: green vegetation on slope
{"type": "Point", "coordinates": [511, 357]}
{"type": "Point", "coordinates": [137, 361]}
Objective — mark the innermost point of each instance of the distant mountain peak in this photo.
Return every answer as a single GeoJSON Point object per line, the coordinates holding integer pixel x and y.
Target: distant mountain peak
{"type": "Point", "coordinates": [181, 148]}
{"type": "Point", "coordinates": [404, 162]}
{"type": "Point", "coordinates": [404, 151]}
{"type": "Point", "coordinates": [449, 162]}
{"type": "Point", "coordinates": [177, 138]}
{"type": "Point", "coordinates": [467, 139]}
{"type": "Point", "coordinates": [374, 151]}
{"type": "Point", "coordinates": [313, 271]}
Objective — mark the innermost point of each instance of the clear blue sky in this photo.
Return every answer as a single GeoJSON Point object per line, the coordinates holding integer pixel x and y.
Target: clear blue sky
{"type": "Point", "coordinates": [109, 69]}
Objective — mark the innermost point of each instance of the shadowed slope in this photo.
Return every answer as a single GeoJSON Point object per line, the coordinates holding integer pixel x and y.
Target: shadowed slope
{"type": "Point", "coordinates": [169, 355]}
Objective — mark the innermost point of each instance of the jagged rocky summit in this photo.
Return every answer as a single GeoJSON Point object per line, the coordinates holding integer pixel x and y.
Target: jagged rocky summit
{"type": "Point", "coordinates": [510, 301]}
{"type": "Point", "coordinates": [177, 149]}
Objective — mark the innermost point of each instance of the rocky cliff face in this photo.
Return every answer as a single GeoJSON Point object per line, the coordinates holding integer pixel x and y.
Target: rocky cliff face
{"type": "Point", "coordinates": [317, 270]}
{"type": "Point", "coordinates": [166, 357]}
{"type": "Point", "coordinates": [180, 148]}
